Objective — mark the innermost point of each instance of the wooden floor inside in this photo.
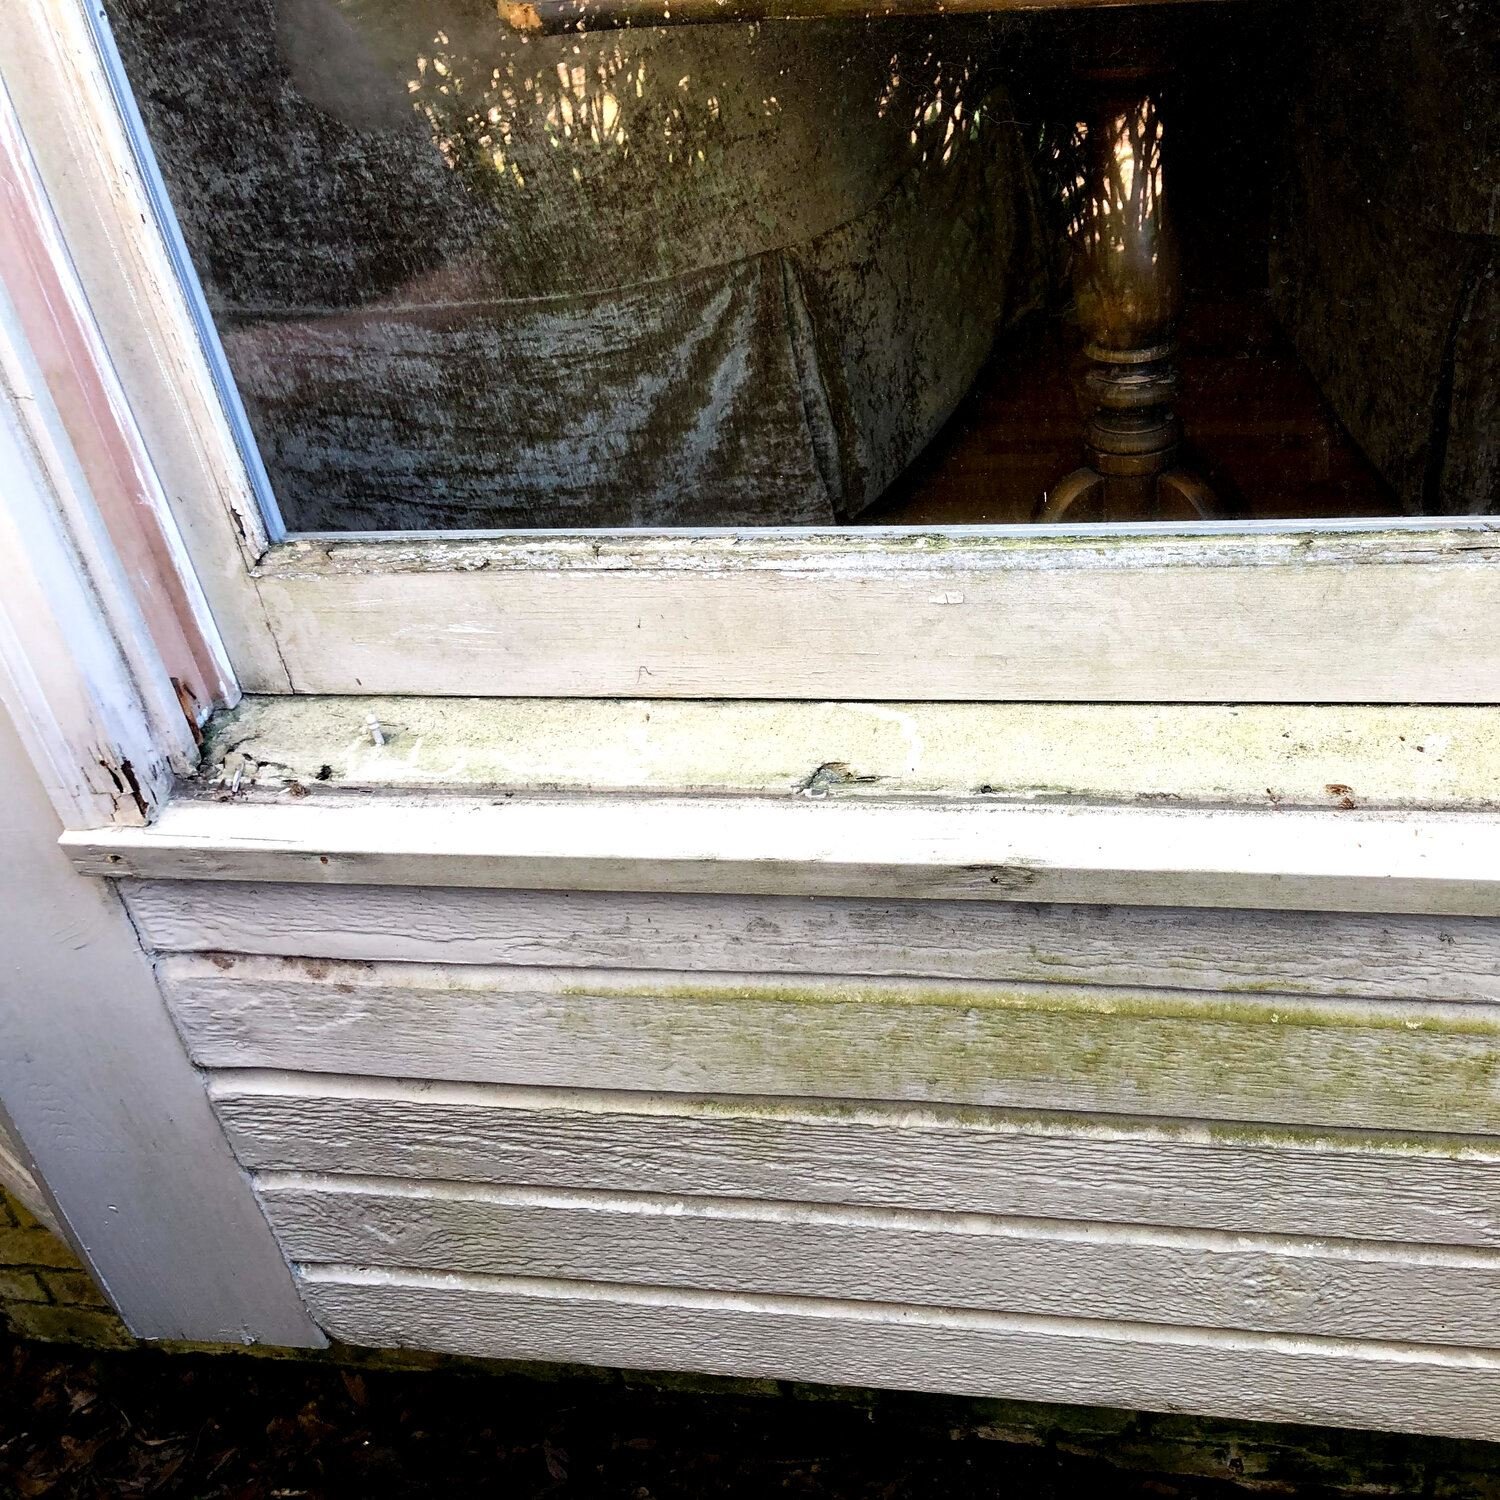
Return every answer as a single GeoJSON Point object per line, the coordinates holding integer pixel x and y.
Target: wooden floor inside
{"type": "Point", "coordinates": [1257, 427]}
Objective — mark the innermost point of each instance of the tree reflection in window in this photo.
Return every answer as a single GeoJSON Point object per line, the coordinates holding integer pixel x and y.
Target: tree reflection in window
{"type": "Point", "coordinates": [604, 96]}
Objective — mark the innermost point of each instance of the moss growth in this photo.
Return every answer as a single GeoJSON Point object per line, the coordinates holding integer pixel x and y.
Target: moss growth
{"type": "Point", "coordinates": [89, 1327]}
{"type": "Point", "coordinates": [1150, 1005]}
{"type": "Point", "coordinates": [1080, 1049]}
{"type": "Point", "coordinates": [1074, 1050]}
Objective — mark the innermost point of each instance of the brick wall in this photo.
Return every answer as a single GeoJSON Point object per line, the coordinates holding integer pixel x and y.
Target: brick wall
{"type": "Point", "coordinates": [44, 1292]}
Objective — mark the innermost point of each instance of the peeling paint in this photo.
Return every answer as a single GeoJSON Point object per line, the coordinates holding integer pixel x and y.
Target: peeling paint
{"type": "Point", "coordinates": [814, 551]}
{"type": "Point", "coordinates": [123, 786]}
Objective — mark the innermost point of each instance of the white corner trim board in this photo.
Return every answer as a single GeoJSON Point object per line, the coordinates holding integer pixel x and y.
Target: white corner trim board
{"type": "Point", "coordinates": [97, 1090]}
{"type": "Point", "coordinates": [1437, 864]}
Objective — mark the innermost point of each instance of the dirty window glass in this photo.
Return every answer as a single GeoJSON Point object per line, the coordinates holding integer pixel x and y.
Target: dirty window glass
{"type": "Point", "coordinates": [530, 266]}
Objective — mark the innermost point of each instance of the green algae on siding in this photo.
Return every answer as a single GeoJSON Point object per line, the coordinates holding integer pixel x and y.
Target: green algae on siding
{"type": "Point", "coordinates": [1381, 1066]}
{"type": "Point", "coordinates": [1467, 1020]}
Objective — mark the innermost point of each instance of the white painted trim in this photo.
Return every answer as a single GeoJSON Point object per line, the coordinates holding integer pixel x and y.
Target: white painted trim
{"type": "Point", "coordinates": [1379, 616]}
{"type": "Point", "coordinates": [1438, 864]}
{"type": "Point", "coordinates": [113, 1116]}
{"type": "Point", "coordinates": [108, 657]}
{"type": "Point", "coordinates": [1253, 756]}
{"type": "Point", "coordinates": [95, 730]}
{"type": "Point", "coordinates": [99, 190]}
{"type": "Point", "coordinates": [84, 431]}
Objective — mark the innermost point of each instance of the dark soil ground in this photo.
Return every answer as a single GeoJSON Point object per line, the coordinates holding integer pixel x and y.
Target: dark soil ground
{"type": "Point", "coordinates": [75, 1423]}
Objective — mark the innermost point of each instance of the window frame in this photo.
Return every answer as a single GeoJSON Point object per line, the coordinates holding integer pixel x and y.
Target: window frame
{"type": "Point", "coordinates": [1330, 612]}
{"type": "Point", "coordinates": [109, 658]}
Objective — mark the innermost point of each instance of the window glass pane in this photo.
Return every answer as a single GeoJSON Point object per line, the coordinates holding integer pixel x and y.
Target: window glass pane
{"type": "Point", "coordinates": [520, 266]}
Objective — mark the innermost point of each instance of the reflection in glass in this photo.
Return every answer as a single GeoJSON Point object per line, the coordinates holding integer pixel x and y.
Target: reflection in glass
{"type": "Point", "coordinates": [817, 272]}
{"type": "Point", "coordinates": [1385, 244]}
{"type": "Point", "coordinates": [1127, 291]}
{"type": "Point", "coordinates": [1126, 277]}
{"type": "Point", "coordinates": [465, 277]}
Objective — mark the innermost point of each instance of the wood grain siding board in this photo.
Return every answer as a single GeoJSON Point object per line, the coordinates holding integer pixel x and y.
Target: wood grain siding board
{"type": "Point", "coordinates": [1232, 1178]}
{"type": "Point", "coordinates": [1169, 1053]}
{"type": "Point", "coordinates": [1307, 953]}
{"type": "Point", "coordinates": [1273, 1284]}
{"type": "Point", "coordinates": [1246, 1375]}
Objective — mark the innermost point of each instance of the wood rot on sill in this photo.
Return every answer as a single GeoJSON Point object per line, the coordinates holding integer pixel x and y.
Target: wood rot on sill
{"type": "Point", "coordinates": [1183, 755]}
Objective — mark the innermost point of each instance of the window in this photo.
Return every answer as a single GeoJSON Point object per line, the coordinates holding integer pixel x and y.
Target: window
{"type": "Point", "coordinates": [528, 351]}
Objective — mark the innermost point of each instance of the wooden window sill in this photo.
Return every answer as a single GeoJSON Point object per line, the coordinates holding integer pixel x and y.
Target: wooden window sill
{"type": "Point", "coordinates": [1333, 809]}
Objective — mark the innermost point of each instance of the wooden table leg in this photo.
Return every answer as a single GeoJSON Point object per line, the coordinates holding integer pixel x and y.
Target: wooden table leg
{"type": "Point", "coordinates": [1128, 284]}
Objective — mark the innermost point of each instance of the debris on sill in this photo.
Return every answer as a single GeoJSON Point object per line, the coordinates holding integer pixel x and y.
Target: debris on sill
{"type": "Point", "coordinates": [829, 778]}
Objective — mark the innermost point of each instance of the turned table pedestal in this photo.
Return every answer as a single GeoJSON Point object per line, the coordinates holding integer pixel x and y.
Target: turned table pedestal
{"type": "Point", "coordinates": [1127, 284]}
